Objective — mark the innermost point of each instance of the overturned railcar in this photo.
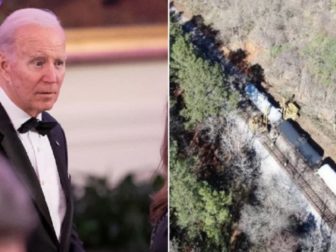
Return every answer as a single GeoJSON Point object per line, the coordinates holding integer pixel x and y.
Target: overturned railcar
{"type": "Point", "coordinates": [328, 175]}
{"type": "Point", "coordinates": [263, 104]}
{"type": "Point", "coordinates": [302, 143]}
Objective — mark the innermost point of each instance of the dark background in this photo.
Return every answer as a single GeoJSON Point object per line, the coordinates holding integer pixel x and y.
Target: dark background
{"type": "Point", "coordinates": [79, 13]}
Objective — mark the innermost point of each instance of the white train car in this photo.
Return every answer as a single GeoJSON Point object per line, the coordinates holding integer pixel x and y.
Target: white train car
{"type": "Point", "coordinates": [328, 175]}
{"type": "Point", "coordinates": [261, 101]}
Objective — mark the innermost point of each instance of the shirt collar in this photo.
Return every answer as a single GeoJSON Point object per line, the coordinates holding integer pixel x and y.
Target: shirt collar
{"type": "Point", "coordinates": [16, 114]}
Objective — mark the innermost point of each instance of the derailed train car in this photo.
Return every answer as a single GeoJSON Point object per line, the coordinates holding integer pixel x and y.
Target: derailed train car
{"type": "Point", "coordinates": [311, 153]}
{"type": "Point", "coordinates": [300, 141]}
{"type": "Point", "coordinates": [263, 104]}
{"type": "Point", "coordinates": [328, 175]}
{"type": "Point", "coordinates": [304, 145]}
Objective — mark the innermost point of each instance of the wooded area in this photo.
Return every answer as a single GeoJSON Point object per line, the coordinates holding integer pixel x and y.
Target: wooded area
{"type": "Point", "coordinates": [295, 43]}
{"type": "Point", "coordinates": [219, 198]}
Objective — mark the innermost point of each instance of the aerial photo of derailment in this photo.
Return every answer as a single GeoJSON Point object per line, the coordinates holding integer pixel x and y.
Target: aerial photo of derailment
{"type": "Point", "coordinates": [252, 126]}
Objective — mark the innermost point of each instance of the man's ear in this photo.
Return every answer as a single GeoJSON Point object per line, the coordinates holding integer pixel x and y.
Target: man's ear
{"type": "Point", "coordinates": [4, 66]}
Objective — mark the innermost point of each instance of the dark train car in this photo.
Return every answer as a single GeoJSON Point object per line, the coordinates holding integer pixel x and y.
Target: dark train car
{"type": "Point", "coordinates": [304, 145]}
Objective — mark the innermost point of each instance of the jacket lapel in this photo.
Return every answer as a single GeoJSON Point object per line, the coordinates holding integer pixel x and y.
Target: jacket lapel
{"type": "Point", "coordinates": [58, 145]}
{"type": "Point", "coordinates": [58, 150]}
{"type": "Point", "coordinates": [16, 153]}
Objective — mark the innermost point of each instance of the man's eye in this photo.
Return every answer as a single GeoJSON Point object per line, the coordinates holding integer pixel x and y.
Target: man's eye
{"type": "Point", "coordinates": [59, 63]}
{"type": "Point", "coordinates": [39, 63]}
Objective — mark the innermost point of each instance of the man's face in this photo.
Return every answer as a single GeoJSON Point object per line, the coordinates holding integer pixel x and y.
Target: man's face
{"type": "Point", "coordinates": [34, 73]}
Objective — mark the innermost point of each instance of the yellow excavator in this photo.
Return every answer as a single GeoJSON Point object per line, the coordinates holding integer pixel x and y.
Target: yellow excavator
{"type": "Point", "coordinates": [290, 109]}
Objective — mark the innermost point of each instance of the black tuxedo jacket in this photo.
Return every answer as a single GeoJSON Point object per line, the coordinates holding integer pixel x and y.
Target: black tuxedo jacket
{"type": "Point", "coordinates": [43, 238]}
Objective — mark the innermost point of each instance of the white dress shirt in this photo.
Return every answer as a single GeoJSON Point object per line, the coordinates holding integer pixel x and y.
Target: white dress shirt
{"type": "Point", "coordinates": [43, 161]}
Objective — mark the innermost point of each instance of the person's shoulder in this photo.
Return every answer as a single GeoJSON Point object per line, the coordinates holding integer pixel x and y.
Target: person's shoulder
{"type": "Point", "coordinates": [48, 118]}
{"type": "Point", "coordinates": [159, 241]}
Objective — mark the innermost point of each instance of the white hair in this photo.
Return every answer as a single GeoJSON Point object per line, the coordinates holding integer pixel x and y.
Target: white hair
{"type": "Point", "coordinates": [23, 17]}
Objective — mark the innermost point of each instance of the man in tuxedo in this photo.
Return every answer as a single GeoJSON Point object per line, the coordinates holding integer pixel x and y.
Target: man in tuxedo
{"type": "Point", "coordinates": [32, 67]}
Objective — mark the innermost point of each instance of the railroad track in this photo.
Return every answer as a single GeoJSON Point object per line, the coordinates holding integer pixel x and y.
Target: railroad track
{"type": "Point", "coordinates": [296, 175]}
{"type": "Point", "coordinates": [326, 214]}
